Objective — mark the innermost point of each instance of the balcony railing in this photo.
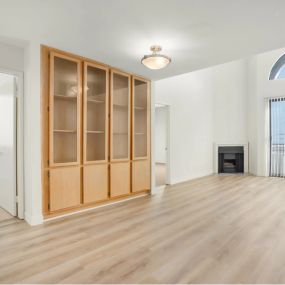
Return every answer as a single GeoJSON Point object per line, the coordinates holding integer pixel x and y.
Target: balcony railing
{"type": "Point", "coordinates": [277, 167]}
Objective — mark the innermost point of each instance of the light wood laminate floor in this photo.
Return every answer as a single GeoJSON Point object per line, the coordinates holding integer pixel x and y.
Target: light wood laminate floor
{"type": "Point", "coordinates": [217, 229]}
{"type": "Point", "coordinates": [4, 215]}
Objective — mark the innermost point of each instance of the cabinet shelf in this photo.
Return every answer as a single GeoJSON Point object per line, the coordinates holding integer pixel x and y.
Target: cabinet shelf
{"type": "Point", "coordinates": [65, 97]}
{"type": "Point", "coordinates": [139, 108]}
{"type": "Point", "coordinates": [120, 105]}
{"type": "Point", "coordinates": [65, 131]}
{"type": "Point", "coordinates": [95, 116]}
{"type": "Point", "coordinates": [95, 132]}
{"type": "Point", "coordinates": [140, 118]}
{"type": "Point", "coordinates": [96, 101]}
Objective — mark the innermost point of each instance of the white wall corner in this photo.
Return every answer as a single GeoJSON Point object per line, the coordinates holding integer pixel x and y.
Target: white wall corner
{"type": "Point", "coordinates": [32, 135]}
{"type": "Point", "coordinates": [153, 189]}
{"type": "Point", "coordinates": [197, 176]}
{"type": "Point", "coordinates": [34, 220]}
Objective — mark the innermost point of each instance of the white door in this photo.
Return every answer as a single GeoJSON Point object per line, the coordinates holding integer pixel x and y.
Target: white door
{"type": "Point", "coordinates": [8, 143]}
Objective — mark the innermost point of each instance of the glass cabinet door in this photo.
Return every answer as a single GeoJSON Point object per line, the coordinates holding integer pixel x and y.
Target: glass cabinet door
{"type": "Point", "coordinates": [95, 113]}
{"type": "Point", "coordinates": [140, 118]}
{"type": "Point", "coordinates": [120, 116]}
{"type": "Point", "coordinates": [65, 94]}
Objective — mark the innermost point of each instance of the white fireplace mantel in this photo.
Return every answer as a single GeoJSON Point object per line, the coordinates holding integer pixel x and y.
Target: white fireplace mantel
{"type": "Point", "coordinates": [245, 150]}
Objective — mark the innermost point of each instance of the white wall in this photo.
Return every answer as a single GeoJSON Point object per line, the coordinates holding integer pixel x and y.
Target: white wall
{"type": "Point", "coordinates": [191, 134]}
{"type": "Point", "coordinates": [11, 57]}
{"type": "Point", "coordinates": [161, 123]}
{"type": "Point", "coordinates": [32, 137]}
{"type": "Point", "coordinates": [252, 114]}
{"type": "Point", "coordinates": [230, 103]}
{"type": "Point", "coordinates": [261, 88]}
{"type": "Point", "coordinates": [206, 106]}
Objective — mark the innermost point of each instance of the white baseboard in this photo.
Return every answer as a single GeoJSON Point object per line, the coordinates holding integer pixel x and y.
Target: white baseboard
{"type": "Point", "coordinates": [161, 187]}
{"type": "Point", "coordinates": [191, 178]}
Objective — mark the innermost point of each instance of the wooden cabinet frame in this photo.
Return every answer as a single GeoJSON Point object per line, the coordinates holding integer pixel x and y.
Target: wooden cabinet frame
{"type": "Point", "coordinates": [51, 109]}
{"type": "Point", "coordinates": [106, 69]}
{"type": "Point", "coordinates": [113, 71]}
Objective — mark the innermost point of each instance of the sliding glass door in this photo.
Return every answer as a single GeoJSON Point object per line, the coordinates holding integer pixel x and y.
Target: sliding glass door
{"type": "Point", "coordinates": [277, 137]}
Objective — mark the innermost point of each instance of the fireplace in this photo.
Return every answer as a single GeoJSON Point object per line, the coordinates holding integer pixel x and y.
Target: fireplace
{"type": "Point", "coordinates": [231, 159]}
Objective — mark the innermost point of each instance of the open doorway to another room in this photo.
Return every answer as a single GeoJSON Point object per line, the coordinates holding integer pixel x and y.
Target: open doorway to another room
{"type": "Point", "coordinates": [11, 183]}
{"type": "Point", "coordinates": [162, 172]}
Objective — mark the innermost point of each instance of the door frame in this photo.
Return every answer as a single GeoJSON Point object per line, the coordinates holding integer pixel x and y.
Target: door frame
{"type": "Point", "coordinates": [168, 145]}
{"type": "Point", "coordinates": [19, 76]}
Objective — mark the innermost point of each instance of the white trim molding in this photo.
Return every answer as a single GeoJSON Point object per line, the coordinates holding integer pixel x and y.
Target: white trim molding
{"type": "Point", "coordinates": [245, 150]}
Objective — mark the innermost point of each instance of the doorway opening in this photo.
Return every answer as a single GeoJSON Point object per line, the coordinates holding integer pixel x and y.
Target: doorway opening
{"type": "Point", "coordinates": [162, 157]}
{"type": "Point", "coordinates": [11, 146]}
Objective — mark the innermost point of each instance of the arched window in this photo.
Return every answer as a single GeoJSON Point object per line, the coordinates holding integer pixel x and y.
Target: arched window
{"type": "Point", "coordinates": [278, 69]}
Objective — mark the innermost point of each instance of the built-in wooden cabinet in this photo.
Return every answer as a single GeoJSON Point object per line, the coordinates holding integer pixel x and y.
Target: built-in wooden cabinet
{"type": "Point", "coordinates": [120, 131]}
{"type": "Point", "coordinates": [95, 183]}
{"type": "Point", "coordinates": [140, 118]}
{"type": "Point", "coordinates": [120, 183]}
{"type": "Point", "coordinates": [140, 135]}
{"type": "Point", "coordinates": [96, 132]}
{"type": "Point", "coordinates": [64, 109]}
{"type": "Point", "coordinates": [120, 116]}
{"type": "Point", "coordinates": [64, 188]}
{"type": "Point", "coordinates": [140, 175]}
{"type": "Point", "coordinates": [95, 113]}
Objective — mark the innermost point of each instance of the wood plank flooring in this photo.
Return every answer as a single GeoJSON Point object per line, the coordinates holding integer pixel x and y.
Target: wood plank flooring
{"type": "Point", "coordinates": [4, 215]}
{"type": "Point", "coordinates": [217, 229]}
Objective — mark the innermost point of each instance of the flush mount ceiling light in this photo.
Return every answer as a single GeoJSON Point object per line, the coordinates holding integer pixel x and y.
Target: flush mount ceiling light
{"type": "Point", "coordinates": [155, 60]}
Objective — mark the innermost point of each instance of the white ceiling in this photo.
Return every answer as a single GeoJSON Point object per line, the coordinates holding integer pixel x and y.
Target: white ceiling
{"type": "Point", "coordinates": [194, 33]}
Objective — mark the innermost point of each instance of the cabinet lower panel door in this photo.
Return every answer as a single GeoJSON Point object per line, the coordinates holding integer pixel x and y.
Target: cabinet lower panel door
{"type": "Point", "coordinates": [64, 188]}
{"type": "Point", "coordinates": [120, 179]}
{"type": "Point", "coordinates": [95, 181]}
{"type": "Point", "coordinates": [140, 175]}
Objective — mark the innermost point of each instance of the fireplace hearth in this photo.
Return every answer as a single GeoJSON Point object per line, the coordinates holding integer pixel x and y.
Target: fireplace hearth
{"type": "Point", "coordinates": [231, 159]}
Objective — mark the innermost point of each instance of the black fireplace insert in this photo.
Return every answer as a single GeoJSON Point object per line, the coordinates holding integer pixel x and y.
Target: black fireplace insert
{"type": "Point", "coordinates": [231, 159]}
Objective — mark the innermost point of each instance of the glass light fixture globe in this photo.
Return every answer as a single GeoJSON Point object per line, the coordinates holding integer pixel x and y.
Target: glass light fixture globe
{"type": "Point", "coordinates": [155, 60]}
